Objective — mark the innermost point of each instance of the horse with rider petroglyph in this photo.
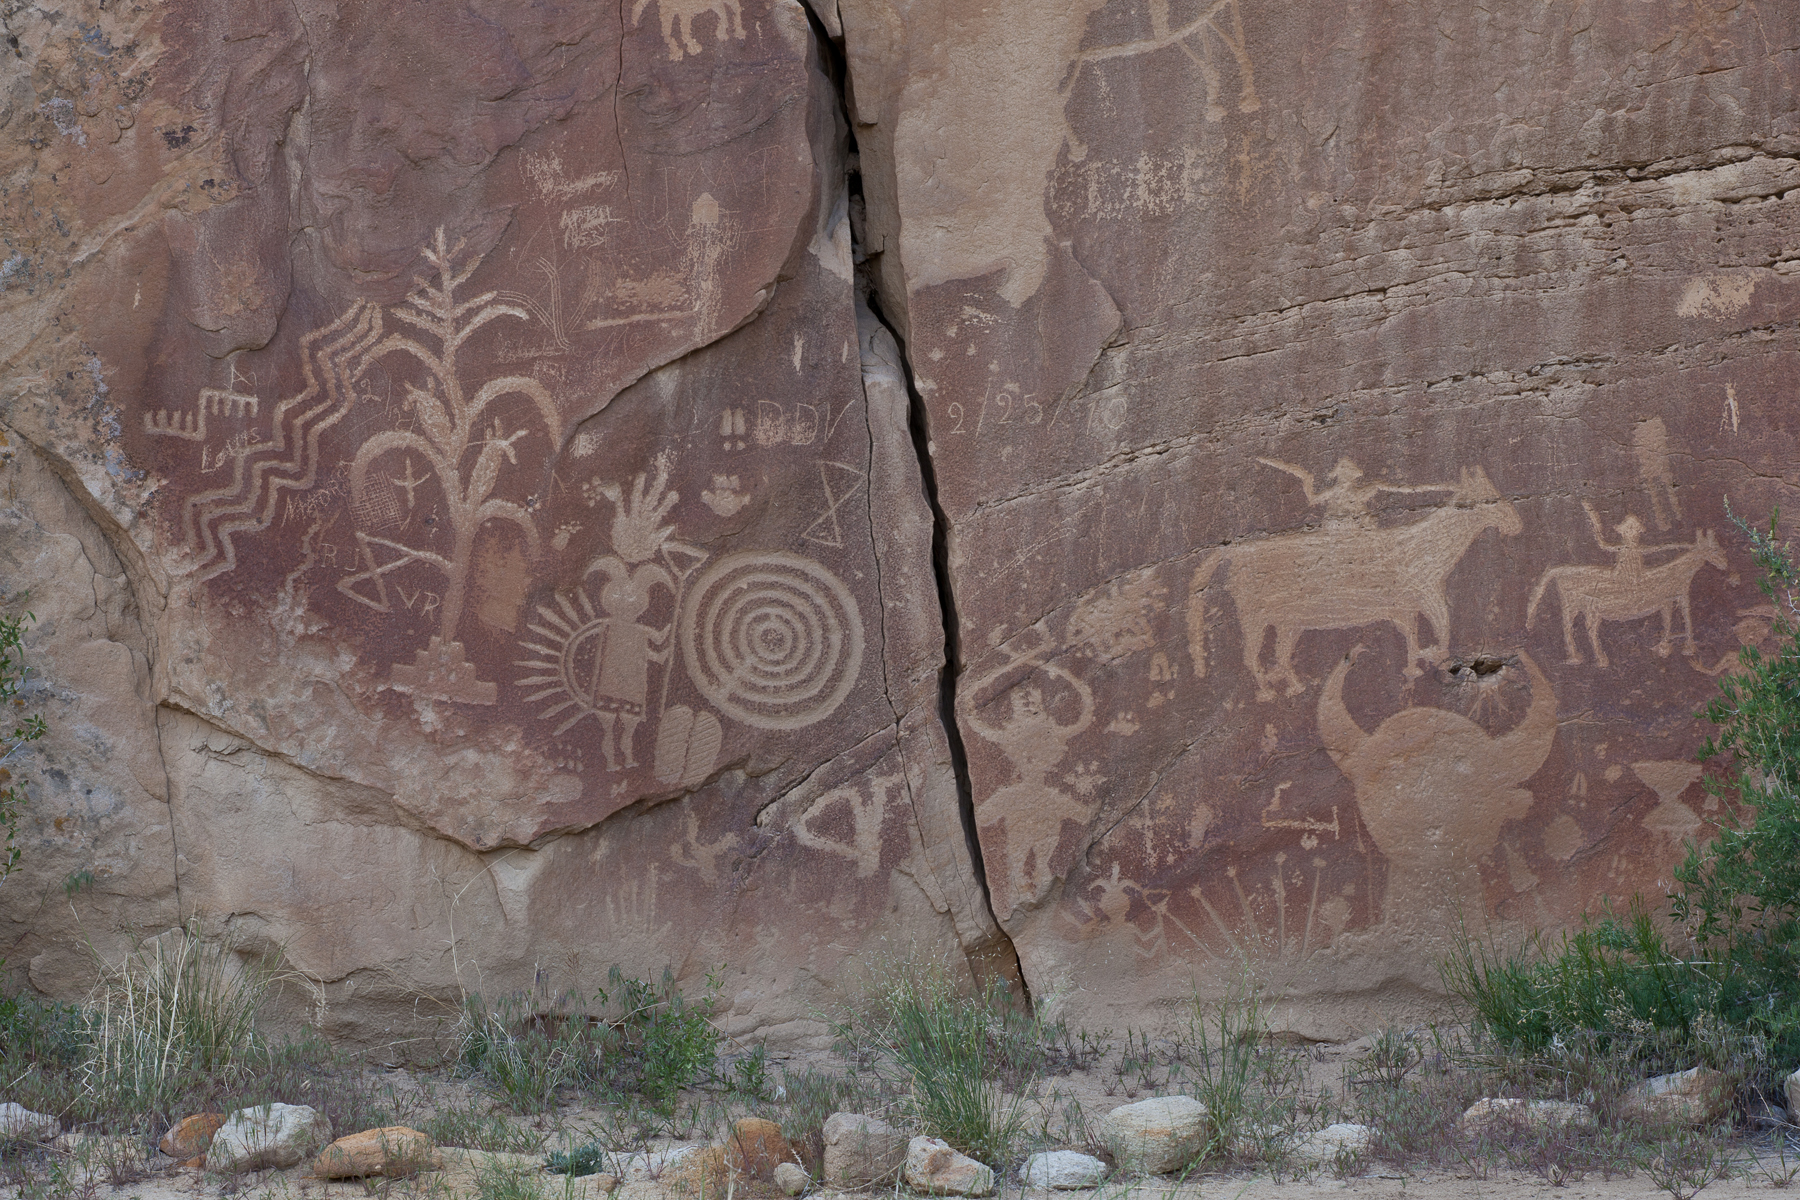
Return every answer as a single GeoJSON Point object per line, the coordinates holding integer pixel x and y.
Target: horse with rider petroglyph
{"type": "Point", "coordinates": [1592, 594]}
{"type": "Point", "coordinates": [1340, 578]}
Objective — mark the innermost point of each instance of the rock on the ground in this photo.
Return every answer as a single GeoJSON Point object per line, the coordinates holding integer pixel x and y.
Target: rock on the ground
{"type": "Point", "coordinates": [20, 1124]}
{"type": "Point", "coordinates": [268, 1136]}
{"type": "Point", "coordinates": [1325, 1145]}
{"type": "Point", "coordinates": [933, 1167]}
{"type": "Point", "coordinates": [1491, 1112]}
{"type": "Point", "coordinates": [1155, 1136]}
{"type": "Point", "coordinates": [756, 1147]}
{"type": "Point", "coordinates": [1697, 1096]}
{"type": "Point", "coordinates": [1791, 1088]}
{"type": "Point", "coordinates": [1063, 1170]}
{"type": "Point", "coordinates": [703, 1173]}
{"type": "Point", "coordinates": [861, 1149]}
{"type": "Point", "coordinates": [791, 1178]}
{"type": "Point", "coordinates": [189, 1137]}
{"type": "Point", "coordinates": [392, 1151]}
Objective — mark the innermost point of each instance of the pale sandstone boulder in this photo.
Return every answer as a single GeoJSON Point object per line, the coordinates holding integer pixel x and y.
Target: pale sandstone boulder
{"type": "Point", "coordinates": [1697, 1096]}
{"type": "Point", "coordinates": [1063, 1170]}
{"type": "Point", "coordinates": [269, 1136]}
{"type": "Point", "coordinates": [18, 1123]}
{"type": "Point", "coordinates": [936, 1169]}
{"type": "Point", "coordinates": [1492, 1112]}
{"type": "Point", "coordinates": [791, 1178]}
{"type": "Point", "coordinates": [1333, 1142]}
{"type": "Point", "coordinates": [861, 1150]}
{"type": "Point", "coordinates": [1156, 1136]}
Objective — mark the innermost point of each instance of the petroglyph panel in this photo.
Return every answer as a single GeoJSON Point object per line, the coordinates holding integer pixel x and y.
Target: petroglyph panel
{"type": "Point", "coordinates": [1257, 382]}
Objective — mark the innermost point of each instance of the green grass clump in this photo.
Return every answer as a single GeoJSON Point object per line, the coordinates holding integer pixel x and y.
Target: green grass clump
{"type": "Point", "coordinates": [635, 1038]}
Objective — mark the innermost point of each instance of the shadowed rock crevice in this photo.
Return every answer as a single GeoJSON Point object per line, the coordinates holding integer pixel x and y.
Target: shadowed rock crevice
{"type": "Point", "coordinates": [996, 961]}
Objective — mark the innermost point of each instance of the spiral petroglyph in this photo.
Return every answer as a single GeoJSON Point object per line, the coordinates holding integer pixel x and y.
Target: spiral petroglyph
{"type": "Point", "coordinates": [773, 639]}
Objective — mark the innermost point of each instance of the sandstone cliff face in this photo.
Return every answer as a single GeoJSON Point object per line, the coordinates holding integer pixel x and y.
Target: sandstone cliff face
{"type": "Point", "coordinates": [492, 479]}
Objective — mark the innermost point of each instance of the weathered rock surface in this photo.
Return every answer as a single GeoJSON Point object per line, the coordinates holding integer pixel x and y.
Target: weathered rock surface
{"type": "Point", "coordinates": [1333, 1144]}
{"type": "Point", "coordinates": [190, 1136]}
{"type": "Point", "coordinates": [270, 1136]}
{"type": "Point", "coordinates": [934, 1168]}
{"type": "Point", "coordinates": [1062, 1170]}
{"type": "Point", "coordinates": [791, 1178]}
{"type": "Point", "coordinates": [861, 1150]}
{"type": "Point", "coordinates": [1155, 1136]}
{"type": "Point", "coordinates": [18, 1123]}
{"type": "Point", "coordinates": [469, 465]}
{"type": "Point", "coordinates": [1491, 1112]}
{"type": "Point", "coordinates": [1791, 1089]}
{"type": "Point", "coordinates": [756, 1147]}
{"type": "Point", "coordinates": [393, 1151]}
{"type": "Point", "coordinates": [1697, 1096]}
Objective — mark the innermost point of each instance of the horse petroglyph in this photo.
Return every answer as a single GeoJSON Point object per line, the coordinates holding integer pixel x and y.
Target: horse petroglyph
{"type": "Point", "coordinates": [1434, 789]}
{"type": "Point", "coordinates": [1627, 590]}
{"type": "Point", "coordinates": [1343, 576]}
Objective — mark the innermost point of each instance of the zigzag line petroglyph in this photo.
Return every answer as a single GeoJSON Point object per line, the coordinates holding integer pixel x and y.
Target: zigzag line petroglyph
{"type": "Point", "coordinates": [330, 359]}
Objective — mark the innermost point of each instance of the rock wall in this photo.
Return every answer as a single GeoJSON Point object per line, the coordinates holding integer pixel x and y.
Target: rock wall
{"type": "Point", "coordinates": [1115, 492]}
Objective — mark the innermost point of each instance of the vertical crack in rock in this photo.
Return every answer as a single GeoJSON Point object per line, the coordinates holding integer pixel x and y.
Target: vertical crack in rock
{"type": "Point", "coordinates": [999, 961]}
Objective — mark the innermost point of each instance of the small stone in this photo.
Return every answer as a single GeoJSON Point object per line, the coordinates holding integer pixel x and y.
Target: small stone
{"type": "Point", "coordinates": [791, 1178]}
{"type": "Point", "coordinates": [756, 1148]}
{"type": "Point", "coordinates": [1698, 1096]}
{"type": "Point", "coordinates": [1327, 1144]}
{"type": "Point", "coordinates": [190, 1136]}
{"type": "Point", "coordinates": [393, 1151]}
{"type": "Point", "coordinates": [936, 1169]}
{"type": "Point", "coordinates": [20, 1124]}
{"type": "Point", "coordinates": [861, 1150]}
{"type": "Point", "coordinates": [1535, 1115]}
{"type": "Point", "coordinates": [268, 1136]}
{"type": "Point", "coordinates": [1063, 1170]}
{"type": "Point", "coordinates": [1155, 1136]}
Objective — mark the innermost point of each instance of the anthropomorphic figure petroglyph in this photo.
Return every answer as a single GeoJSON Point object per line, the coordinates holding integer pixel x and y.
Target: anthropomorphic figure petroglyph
{"type": "Point", "coordinates": [1339, 578]}
{"type": "Point", "coordinates": [619, 667]}
{"type": "Point", "coordinates": [1346, 500]}
{"type": "Point", "coordinates": [1434, 790]}
{"type": "Point", "coordinates": [1027, 815]}
{"type": "Point", "coordinates": [1627, 590]}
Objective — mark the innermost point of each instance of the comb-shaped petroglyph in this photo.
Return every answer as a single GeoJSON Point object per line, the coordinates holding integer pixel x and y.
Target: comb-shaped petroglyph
{"type": "Point", "coordinates": [1434, 789]}
{"type": "Point", "coordinates": [1345, 575]}
{"type": "Point", "coordinates": [1627, 590]}
{"type": "Point", "coordinates": [191, 427]}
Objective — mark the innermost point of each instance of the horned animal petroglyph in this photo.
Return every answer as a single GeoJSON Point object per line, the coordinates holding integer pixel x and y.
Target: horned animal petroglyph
{"type": "Point", "coordinates": [1434, 789]}
{"type": "Point", "coordinates": [1341, 577]}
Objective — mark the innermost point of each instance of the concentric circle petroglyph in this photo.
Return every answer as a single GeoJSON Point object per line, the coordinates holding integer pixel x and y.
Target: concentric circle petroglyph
{"type": "Point", "coordinates": [773, 639]}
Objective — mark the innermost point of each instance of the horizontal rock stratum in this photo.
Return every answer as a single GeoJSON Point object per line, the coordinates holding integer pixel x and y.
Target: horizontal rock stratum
{"type": "Point", "coordinates": [1107, 491]}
